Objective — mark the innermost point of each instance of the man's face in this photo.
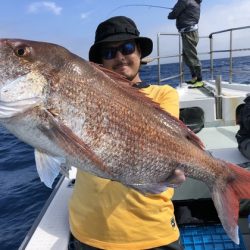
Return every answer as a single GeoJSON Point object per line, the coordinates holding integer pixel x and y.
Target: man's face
{"type": "Point", "coordinates": [123, 58]}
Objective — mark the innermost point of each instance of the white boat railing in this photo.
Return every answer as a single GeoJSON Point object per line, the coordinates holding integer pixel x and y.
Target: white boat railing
{"type": "Point", "coordinates": [230, 50]}
{"type": "Point", "coordinates": [211, 53]}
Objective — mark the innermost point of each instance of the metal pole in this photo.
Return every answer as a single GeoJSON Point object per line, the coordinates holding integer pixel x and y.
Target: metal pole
{"type": "Point", "coordinates": [180, 60]}
{"type": "Point", "coordinates": [211, 58]}
{"type": "Point", "coordinates": [218, 97]}
{"type": "Point", "coordinates": [158, 58]}
{"type": "Point", "coordinates": [231, 58]}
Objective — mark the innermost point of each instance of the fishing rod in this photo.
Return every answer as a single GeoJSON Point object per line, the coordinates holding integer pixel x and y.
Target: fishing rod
{"type": "Point", "coordinates": [141, 5]}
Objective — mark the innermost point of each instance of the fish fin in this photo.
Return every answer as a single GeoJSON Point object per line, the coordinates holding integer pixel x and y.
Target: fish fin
{"type": "Point", "coordinates": [226, 199]}
{"type": "Point", "coordinates": [191, 136]}
{"type": "Point", "coordinates": [127, 87]}
{"type": "Point", "coordinates": [112, 74]}
{"type": "Point", "coordinates": [71, 143]}
{"type": "Point", "coordinates": [181, 129]}
{"type": "Point", "coordinates": [10, 109]}
{"type": "Point", "coordinates": [48, 167]}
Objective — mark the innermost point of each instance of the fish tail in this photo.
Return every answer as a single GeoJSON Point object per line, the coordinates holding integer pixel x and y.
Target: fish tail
{"type": "Point", "coordinates": [226, 199]}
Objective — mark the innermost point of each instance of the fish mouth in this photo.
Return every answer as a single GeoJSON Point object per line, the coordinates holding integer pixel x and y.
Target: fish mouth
{"type": "Point", "coordinates": [21, 93]}
{"type": "Point", "coordinates": [12, 109]}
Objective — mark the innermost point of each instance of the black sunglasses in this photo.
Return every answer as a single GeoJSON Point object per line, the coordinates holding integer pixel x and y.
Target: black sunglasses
{"type": "Point", "coordinates": [125, 48]}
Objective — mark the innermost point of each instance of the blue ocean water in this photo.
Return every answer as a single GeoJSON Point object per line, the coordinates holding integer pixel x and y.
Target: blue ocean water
{"type": "Point", "coordinates": [241, 67]}
{"type": "Point", "coordinates": [22, 195]}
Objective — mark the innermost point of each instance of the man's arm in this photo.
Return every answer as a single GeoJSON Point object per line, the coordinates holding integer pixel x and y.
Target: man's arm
{"type": "Point", "coordinates": [178, 8]}
{"type": "Point", "coordinates": [170, 103]}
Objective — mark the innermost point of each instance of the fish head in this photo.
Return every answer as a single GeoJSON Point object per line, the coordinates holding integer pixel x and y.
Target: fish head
{"type": "Point", "coordinates": [18, 65]}
{"type": "Point", "coordinates": [26, 70]}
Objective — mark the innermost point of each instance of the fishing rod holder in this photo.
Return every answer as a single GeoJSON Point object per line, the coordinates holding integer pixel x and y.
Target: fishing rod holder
{"type": "Point", "coordinates": [218, 97]}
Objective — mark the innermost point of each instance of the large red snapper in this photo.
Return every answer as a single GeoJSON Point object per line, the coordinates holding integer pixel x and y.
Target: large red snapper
{"type": "Point", "coordinates": [77, 114]}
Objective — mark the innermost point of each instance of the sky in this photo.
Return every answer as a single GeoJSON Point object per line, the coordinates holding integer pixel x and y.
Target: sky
{"type": "Point", "coordinates": [72, 23]}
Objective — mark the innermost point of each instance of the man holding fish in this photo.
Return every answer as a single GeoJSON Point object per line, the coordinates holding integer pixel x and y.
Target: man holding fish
{"type": "Point", "coordinates": [76, 113]}
{"type": "Point", "coordinates": [105, 214]}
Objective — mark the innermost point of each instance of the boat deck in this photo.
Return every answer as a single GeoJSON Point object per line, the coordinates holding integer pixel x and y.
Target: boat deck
{"type": "Point", "coordinates": [207, 98]}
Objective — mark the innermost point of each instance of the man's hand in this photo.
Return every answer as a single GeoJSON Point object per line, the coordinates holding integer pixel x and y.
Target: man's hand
{"type": "Point", "coordinates": [177, 178]}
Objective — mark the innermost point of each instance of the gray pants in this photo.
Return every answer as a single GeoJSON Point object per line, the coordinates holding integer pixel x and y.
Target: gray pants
{"type": "Point", "coordinates": [189, 42]}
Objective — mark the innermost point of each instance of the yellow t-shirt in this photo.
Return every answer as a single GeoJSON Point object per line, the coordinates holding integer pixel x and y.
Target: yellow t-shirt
{"type": "Point", "coordinates": [108, 215]}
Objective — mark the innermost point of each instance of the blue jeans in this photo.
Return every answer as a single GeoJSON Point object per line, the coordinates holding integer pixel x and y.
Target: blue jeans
{"type": "Point", "coordinates": [75, 244]}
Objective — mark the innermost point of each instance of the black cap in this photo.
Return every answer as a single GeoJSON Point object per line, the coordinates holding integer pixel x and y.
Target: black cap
{"type": "Point", "coordinates": [116, 29]}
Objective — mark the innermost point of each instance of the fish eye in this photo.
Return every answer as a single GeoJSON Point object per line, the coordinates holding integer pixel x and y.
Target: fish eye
{"type": "Point", "coordinates": [22, 51]}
